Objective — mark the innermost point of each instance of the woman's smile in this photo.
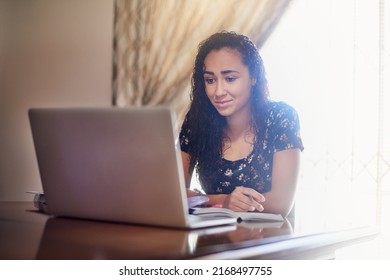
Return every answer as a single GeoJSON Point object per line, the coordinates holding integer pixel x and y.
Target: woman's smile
{"type": "Point", "coordinates": [222, 104]}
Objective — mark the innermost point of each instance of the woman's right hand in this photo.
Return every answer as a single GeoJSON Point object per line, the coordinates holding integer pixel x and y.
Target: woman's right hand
{"type": "Point", "coordinates": [244, 199]}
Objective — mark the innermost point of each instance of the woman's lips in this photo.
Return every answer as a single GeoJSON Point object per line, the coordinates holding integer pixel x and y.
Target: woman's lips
{"type": "Point", "coordinates": [222, 104]}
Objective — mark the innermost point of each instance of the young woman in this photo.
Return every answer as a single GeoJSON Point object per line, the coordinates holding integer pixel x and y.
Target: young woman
{"type": "Point", "coordinates": [244, 147]}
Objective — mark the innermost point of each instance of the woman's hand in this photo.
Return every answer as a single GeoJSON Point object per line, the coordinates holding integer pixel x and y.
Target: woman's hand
{"type": "Point", "coordinates": [244, 199]}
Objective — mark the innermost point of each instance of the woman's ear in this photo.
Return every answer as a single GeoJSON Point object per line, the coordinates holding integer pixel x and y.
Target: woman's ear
{"type": "Point", "coordinates": [253, 81]}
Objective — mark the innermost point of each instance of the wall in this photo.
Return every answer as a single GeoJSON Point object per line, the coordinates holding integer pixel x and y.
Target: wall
{"type": "Point", "coordinates": [52, 53]}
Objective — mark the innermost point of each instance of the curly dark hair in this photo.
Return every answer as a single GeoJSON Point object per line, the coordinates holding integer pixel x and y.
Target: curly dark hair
{"type": "Point", "coordinates": [205, 124]}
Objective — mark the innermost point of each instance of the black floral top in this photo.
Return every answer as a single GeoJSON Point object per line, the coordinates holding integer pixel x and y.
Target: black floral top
{"type": "Point", "coordinates": [255, 171]}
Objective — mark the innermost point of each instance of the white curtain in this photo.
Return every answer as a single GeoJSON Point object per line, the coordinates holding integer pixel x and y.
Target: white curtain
{"type": "Point", "coordinates": [156, 42]}
{"type": "Point", "coordinates": [336, 72]}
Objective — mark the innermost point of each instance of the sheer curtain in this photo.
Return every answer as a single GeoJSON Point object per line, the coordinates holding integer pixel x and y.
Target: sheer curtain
{"type": "Point", "coordinates": [335, 72]}
{"type": "Point", "coordinates": [156, 43]}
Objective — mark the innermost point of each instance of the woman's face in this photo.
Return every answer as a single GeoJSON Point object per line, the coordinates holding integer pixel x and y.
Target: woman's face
{"type": "Point", "coordinates": [228, 82]}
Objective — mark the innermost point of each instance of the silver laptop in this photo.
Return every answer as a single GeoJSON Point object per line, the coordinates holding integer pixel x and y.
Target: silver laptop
{"type": "Point", "coordinates": [113, 164]}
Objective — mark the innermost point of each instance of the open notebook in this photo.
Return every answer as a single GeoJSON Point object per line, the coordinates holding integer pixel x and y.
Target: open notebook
{"type": "Point", "coordinates": [113, 164]}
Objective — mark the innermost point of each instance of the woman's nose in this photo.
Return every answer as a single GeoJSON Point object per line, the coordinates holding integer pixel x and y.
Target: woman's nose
{"type": "Point", "coordinates": [220, 89]}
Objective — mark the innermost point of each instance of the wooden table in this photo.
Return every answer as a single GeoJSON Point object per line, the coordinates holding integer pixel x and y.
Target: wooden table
{"type": "Point", "coordinates": [28, 234]}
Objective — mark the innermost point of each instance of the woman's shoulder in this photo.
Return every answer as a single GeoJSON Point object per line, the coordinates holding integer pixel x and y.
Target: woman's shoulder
{"type": "Point", "coordinates": [280, 110]}
{"type": "Point", "coordinates": [279, 106]}
{"type": "Point", "coordinates": [284, 127]}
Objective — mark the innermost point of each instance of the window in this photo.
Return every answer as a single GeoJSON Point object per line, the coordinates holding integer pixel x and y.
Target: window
{"type": "Point", "coordinates": [331, 61]}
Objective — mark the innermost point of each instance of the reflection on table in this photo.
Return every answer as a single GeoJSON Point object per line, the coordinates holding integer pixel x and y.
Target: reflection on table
{"type": "Point", "coordinates": [28, 234]}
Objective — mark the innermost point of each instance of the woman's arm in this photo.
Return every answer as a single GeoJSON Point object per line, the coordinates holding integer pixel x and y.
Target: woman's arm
{"type": "Point", "coordinates": [186, 168]}
{"type": "Point", "coordinates": [280, 199]}
{"type": "Point", "coordinates": [213, 199]}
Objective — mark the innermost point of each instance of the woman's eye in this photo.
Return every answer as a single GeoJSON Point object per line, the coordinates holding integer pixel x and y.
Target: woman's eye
{"type": "Point", "coordinates": [209, 80]}
{"type": "Point", "coordinates": [231, 79]}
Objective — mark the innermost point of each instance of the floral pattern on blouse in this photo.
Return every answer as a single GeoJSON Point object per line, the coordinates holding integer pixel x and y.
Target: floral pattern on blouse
{"type": "Point", "coordinates": [255, 171]}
